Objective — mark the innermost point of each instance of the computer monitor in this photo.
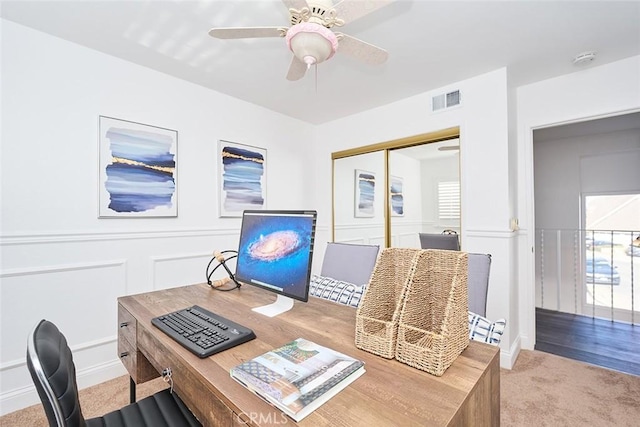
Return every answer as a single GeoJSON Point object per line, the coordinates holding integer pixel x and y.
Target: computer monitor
{"type": "Point", "coordinates": [275, 253]}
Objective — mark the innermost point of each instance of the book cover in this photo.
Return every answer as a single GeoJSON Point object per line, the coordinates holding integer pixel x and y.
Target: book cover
{"type": "Point", "coordinates": [299, 376]}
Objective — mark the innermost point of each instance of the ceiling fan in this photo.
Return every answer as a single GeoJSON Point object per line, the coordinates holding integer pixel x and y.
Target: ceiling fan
{"type": "Point", "coordinates": [311, 37]}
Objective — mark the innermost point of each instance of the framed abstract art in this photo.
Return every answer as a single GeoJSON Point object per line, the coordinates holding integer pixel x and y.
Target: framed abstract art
{"type": "Point", "coordinates": [243, 178]}
{"type": "Point", "coordinates": [365, 186]}
{"type": "Point", "coordinates": [397, 197]}
{"type": "Point", "coordinates": [137, 165]}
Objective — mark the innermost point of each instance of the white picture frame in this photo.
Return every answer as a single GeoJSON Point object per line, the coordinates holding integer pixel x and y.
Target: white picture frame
{"type": "Point", "coordinates": [364, 190]}
{"type": "Point", "coordinates": [137, 169]}
{"type": "Point", "coordinates": [242, 182]}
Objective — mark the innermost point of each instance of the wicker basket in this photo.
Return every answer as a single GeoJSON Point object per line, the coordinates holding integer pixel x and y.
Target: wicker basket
{"type": "Point", "coordinates": [378, 313]}
{"type": "Point", "coordinates": [433, 326]}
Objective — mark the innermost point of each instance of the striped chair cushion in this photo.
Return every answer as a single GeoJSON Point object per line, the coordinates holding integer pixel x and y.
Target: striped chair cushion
{"type": "Point", "coordinates": [483, 329]}
{"type": "Point", "coordinates": [336, 290]}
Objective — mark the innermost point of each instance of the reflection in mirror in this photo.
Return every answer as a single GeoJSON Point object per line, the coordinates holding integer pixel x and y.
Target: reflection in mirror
{"type": "Point", "coordinates": [425, 191]}
{"type": "Point", "coordinates": [358, 199]}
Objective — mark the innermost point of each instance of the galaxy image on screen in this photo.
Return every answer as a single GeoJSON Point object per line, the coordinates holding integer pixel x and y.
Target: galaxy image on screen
{"type": "Point", "coordinates": [275, 251]}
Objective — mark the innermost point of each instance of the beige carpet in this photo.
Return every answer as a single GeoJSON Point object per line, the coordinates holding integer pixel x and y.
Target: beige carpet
{"type": "Point", "coordinates": [95, 401]}
{"type": "Point", "coordinates": [548, 390]}
{"type": "Point", "coordinates": [541, 390]}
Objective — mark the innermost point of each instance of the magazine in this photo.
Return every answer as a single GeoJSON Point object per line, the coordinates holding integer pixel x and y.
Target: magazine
{"type": "Point", "coordinates": [299, 376]}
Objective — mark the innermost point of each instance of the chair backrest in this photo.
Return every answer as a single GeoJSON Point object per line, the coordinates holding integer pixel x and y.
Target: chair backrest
{"type": "Point", "coordinates": [478, 282]}
{"type": "Point", "coordinates": [349, 262]}
{"type": "Point", "coordinates": [439, 241]}
{"type": "Point", "coordinates": [50, 363]}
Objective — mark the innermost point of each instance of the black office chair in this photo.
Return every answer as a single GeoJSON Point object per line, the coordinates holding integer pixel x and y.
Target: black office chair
{"type": "Point", "coordinates": [52, 369]}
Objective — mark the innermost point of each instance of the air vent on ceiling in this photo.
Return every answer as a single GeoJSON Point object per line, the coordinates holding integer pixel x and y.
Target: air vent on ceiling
{"type": "Point", "coordinates": [445, 100]}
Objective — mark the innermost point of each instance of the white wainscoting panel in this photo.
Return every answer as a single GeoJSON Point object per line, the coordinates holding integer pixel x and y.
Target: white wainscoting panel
{"type": "Point", "coordinates": [376, 240]}
{"type": "Point", "coordinates": [70, 295]}
{"type": "Point", "coordinates": [406, 240]}
{"type": "Point", "coordinates": [356, 241]}
{"type": "Point", "coordinates": [180, 269]}
{"type": "Point", "coordinates": [75, 280]}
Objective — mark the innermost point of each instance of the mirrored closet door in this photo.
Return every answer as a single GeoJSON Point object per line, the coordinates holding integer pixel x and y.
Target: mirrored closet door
{"type": "Point", "coordinates": [387, 193]}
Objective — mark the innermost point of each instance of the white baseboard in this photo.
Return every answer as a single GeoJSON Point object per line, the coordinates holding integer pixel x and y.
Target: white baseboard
{"type": "Point", "coordinates": [508, 358]}
{"type": "Point", "coordinates": [24, 397]}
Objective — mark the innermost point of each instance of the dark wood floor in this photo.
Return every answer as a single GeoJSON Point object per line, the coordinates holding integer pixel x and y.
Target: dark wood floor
{"type": "Point", "coordinates": [613, 345]}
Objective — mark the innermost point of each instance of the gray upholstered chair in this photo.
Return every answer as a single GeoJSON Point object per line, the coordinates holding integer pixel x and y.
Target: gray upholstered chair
{"type": "Point", "coordinates": [50, 363]}
{"type": "Point", "coordinates": [481, 328]}
{"type": "Point", "coordinates": [349, 262]}
{"type": "Point", "coordinates": [478, 282]}
{"type": "Point", "coordinates": [345, 273]}
{"type": "Point", "coordinates": [439, 241]}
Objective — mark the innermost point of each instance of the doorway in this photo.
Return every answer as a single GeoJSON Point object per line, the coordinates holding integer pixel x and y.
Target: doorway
{"type": "Point", "coordinates": [586, 183]}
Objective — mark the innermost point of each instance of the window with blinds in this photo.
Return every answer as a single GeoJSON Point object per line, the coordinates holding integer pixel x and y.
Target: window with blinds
{"type": "Point", "coordinates": [449, 200]}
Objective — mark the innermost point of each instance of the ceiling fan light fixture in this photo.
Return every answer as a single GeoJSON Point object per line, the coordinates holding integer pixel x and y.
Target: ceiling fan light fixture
{"type": "Point", "coordinates": [311, 43]}
{"type": "Point", "coordinates": [449, 148]}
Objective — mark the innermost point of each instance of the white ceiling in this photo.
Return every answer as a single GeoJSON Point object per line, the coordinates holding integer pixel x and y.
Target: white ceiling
{"type": "Point", "coordinates": [432, 150]}
{"type": "Point", "coordinates": [590, 127]}
{"type": "Point", "coordinates": [431, 44]}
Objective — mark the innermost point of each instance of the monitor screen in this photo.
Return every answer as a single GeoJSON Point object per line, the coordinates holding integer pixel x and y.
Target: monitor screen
{"type": "Point", "coordinates": [276, 250]}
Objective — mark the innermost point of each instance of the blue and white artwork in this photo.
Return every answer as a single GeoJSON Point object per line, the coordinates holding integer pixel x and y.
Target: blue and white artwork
{"type": "Point", "coordinates": [365, 188]}
{"type": "Point", "coordinates": [138, 169]}
{"type": "Point", "coordinates": [397, 198]}
{"type": "Point", "coordinates": [243, 174]}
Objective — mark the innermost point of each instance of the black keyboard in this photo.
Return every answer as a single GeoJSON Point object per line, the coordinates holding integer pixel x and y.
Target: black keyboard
{"type": "Point", "coordinates": [201, 331]}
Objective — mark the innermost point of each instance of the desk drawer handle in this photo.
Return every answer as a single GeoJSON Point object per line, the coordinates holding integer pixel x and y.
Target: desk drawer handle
{"type": "Point", "coordinates": [124, 354]}
{"type": "Point", "coordinates": [124, 324]}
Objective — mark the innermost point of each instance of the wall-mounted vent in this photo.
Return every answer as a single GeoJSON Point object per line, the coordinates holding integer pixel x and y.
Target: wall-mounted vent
{"type": "Point", "coordinates": [445, 100]}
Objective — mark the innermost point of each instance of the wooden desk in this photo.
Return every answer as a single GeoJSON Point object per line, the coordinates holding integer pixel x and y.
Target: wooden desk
{"type": "Point", "coordinates": [388, 394]}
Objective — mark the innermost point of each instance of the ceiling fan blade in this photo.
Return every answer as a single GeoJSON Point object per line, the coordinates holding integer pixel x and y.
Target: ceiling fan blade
{"type": "Point", "coordinates": [295, 4]}
{"type": "Point", "coordinates": [363, 51]}
{"type": "Point", "coordinates": [247, 32]}
{"type": "Point", "coordinates": [297, 69]}
{"type": "Point", "coordinates": [350, 10]}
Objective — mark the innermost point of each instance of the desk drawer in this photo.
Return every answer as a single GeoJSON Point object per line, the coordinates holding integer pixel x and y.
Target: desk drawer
{"type": "Point", "coordinates": [133, 360]}
{"type": "Point", "coordinates": [127, 354]}
{"type": "Point", "coordinates": [126, 325]}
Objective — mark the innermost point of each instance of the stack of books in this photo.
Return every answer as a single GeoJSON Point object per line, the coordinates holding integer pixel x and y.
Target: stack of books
{"type": "Point", "coordinates": [299, 376]}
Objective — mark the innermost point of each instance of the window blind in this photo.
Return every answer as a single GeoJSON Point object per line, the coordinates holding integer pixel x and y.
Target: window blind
{"type": "Point", "coordinates": [449, 199]}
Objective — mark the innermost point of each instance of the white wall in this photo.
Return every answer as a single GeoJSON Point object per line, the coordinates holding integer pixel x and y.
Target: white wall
{"type": "Point", "coordinates": [611, 161]}
{"type": "Point", "coordinates": [61, 262]}
{"type": "Point", "coordinates": [592, 93]}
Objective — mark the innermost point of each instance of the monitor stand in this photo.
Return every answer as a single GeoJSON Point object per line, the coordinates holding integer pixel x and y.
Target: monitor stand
{"type": "Point", "coordinates": [281, 305]}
